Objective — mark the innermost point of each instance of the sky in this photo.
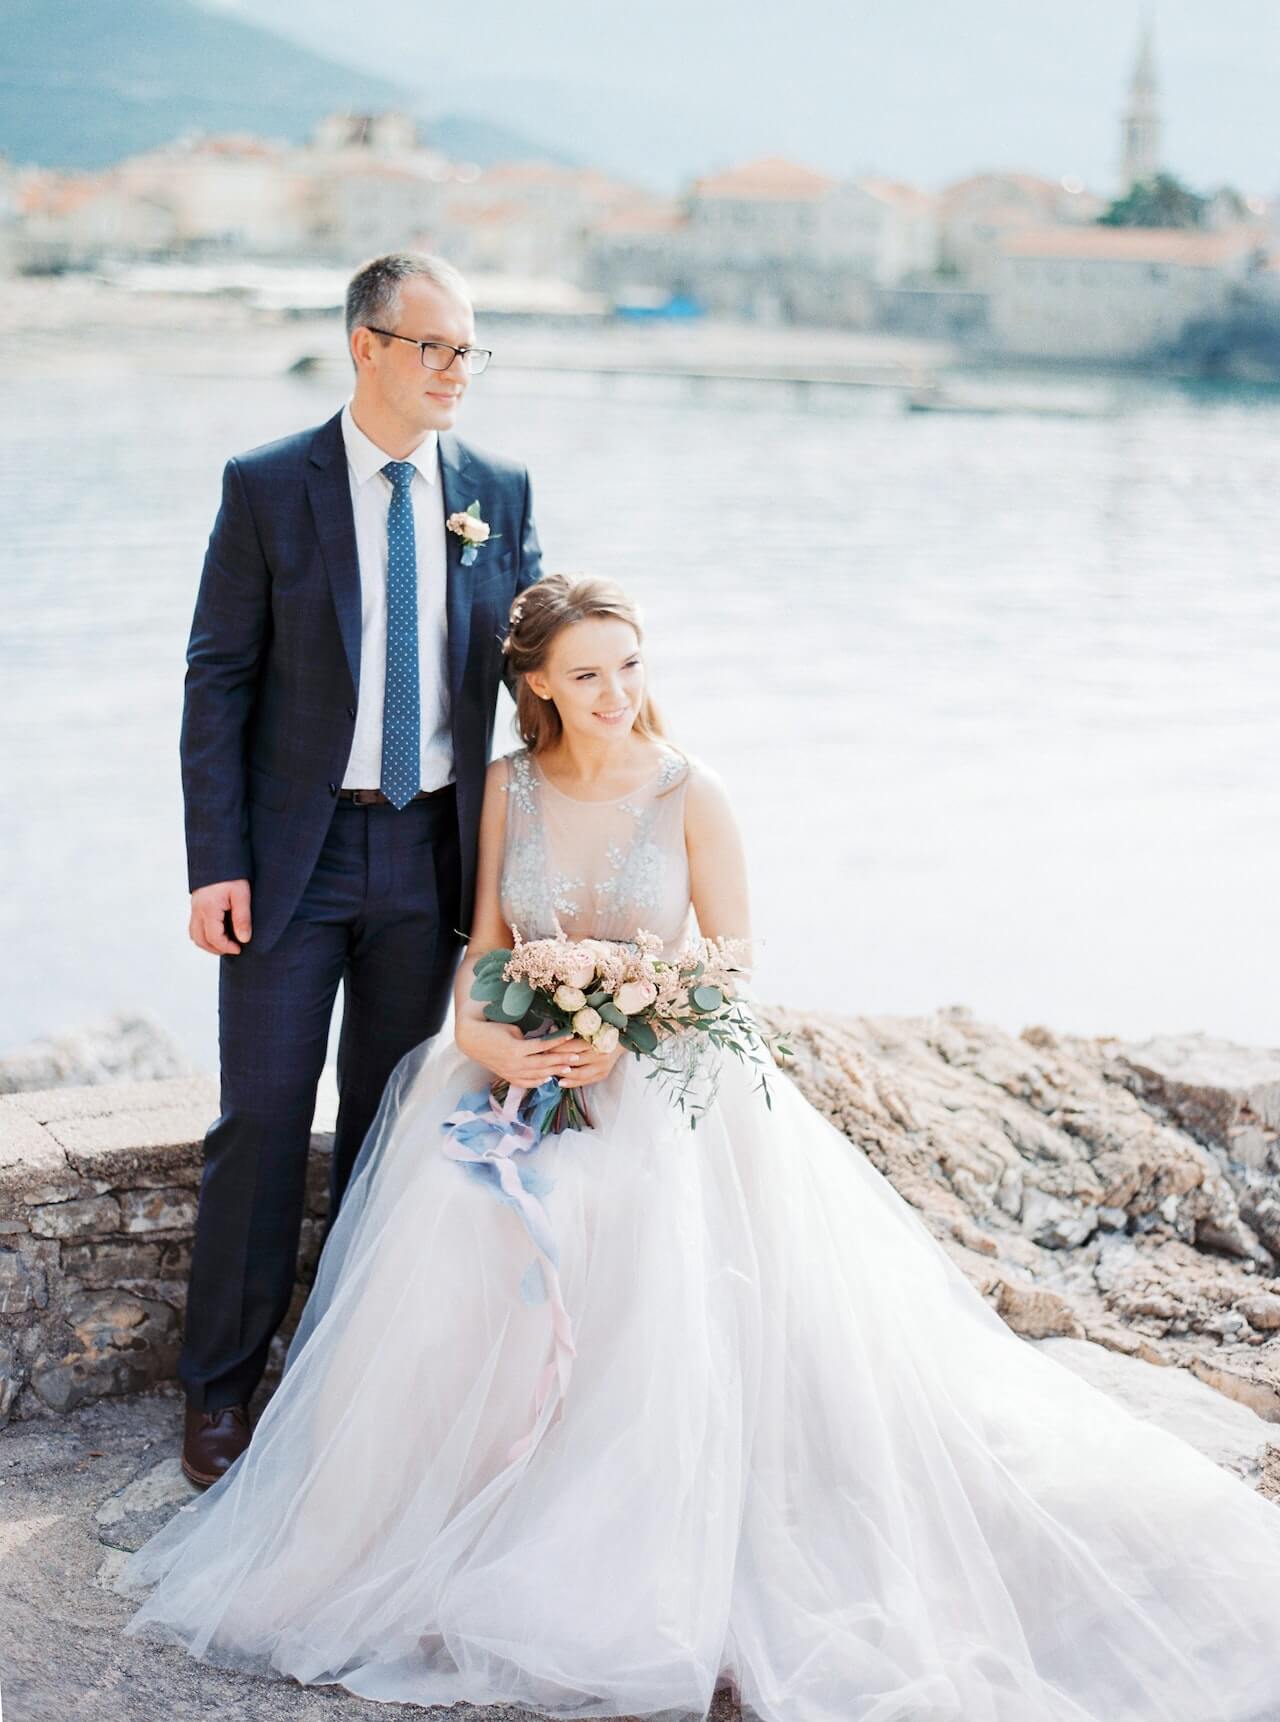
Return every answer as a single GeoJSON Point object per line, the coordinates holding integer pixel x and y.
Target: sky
{"type": "Point", "coordinates": [924, 90]}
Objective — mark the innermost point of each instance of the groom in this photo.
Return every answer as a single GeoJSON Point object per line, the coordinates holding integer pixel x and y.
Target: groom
{"type": "Point", "coordinates": [344, 663]}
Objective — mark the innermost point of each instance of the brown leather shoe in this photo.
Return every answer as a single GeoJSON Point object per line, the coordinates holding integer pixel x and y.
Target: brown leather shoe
{"type": "Point", "coordinates": [212, 1441]}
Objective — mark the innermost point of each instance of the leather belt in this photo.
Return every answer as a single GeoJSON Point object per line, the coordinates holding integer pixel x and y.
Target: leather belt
{"type": "Point", "coordinates": [375, 797]}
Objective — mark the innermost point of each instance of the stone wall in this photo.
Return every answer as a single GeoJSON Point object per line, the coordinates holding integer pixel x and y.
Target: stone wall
{"type": "Point", "coordinates": [98, 1193]}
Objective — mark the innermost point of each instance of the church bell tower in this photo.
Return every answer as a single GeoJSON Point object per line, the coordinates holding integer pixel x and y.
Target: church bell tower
{"type": "Point", "coordinates": [1140, 153]}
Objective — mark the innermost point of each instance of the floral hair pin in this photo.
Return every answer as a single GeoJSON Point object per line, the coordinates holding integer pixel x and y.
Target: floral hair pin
{"type": "Point", "coordinates": [473, 532]}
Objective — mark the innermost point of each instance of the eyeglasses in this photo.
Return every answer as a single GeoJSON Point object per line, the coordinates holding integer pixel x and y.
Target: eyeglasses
{"type": "Point", "coordinates": [439, 355]}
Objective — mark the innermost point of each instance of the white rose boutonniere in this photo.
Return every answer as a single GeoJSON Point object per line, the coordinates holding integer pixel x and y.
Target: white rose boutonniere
{"type": "Point", "coordinates": [473, 532]}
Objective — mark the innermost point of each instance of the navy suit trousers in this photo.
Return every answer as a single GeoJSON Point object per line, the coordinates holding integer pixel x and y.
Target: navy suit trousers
{"type": "Point", "coordinates": [380, 916]}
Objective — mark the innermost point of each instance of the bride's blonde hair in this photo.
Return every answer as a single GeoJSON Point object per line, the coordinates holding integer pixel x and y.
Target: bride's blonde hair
{"type": "Point", "coordinates": [540, 613]}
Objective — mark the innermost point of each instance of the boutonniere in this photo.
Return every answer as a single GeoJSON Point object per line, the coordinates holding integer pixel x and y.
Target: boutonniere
{"type": "Point", "coordinates": [473, 532]}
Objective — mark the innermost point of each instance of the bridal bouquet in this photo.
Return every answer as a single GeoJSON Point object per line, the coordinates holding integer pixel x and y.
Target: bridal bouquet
{"type": "Point", "coordinates": [669, 1011]}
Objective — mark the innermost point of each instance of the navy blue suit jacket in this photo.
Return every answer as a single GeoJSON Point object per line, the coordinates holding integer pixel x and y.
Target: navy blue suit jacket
{"type": "Point", "coordinates": [273, 676]}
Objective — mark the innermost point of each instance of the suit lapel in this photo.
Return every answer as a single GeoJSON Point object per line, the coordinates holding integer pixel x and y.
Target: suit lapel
{"type": "Point", "coordinates": [458, 482]}
{"type": "Point", "coordinates": [330, 493]}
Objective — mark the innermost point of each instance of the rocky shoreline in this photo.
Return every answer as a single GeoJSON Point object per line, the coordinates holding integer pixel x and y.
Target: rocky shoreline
{"type": "Point", "coordinates": [1123, 1193]}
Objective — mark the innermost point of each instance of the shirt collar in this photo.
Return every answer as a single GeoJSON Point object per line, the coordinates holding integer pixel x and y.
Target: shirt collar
{"type": "Point", "coordinates": [365, 458]}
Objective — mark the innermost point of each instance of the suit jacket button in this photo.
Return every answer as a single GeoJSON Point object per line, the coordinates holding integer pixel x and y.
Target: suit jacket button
{"type": "Point", "coordinates": [351, 711]}
{"type": "Point", "coordinates": [333, 789]}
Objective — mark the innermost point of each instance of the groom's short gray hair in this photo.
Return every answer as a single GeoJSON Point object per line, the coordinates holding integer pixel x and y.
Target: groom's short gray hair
{"type": "Point", "coordinates": [373, 293]}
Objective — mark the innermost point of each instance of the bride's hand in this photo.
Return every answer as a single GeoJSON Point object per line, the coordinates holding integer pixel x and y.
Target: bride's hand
{"type": "Point", "coordinates": [592, 1064]}
{"type": "Point", "coordinates": [501, 1048]}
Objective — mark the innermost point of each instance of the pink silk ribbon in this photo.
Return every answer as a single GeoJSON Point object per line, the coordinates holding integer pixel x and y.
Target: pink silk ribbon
{"type": "Point", "coordinates": [510, 1135]}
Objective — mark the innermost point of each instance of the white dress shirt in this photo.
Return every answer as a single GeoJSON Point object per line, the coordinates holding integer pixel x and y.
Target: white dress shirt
{"type": "Point", "coordinates": [370, 504]}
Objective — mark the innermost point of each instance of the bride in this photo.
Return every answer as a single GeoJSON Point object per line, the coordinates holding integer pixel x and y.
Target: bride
{"type": "Point", "coordinates": [796, 1451]}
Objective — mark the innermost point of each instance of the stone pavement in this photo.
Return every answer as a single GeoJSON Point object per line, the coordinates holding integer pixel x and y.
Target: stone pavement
{"type": "Point", "coordinates": [63, 1525]}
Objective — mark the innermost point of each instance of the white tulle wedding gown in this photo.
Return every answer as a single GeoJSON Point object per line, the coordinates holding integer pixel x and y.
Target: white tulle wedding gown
{"type": "Point", "coordinates": [796, 1449]}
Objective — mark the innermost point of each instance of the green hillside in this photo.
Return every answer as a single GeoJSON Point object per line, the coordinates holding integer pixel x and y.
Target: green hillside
{"type": "Point", "coordinates": [85, 82]}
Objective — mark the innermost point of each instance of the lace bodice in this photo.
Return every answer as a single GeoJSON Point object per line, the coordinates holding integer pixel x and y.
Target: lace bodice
{"type": "Point", "coordinates": [596, 869]}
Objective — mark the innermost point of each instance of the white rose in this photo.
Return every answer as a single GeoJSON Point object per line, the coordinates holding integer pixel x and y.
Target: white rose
{"type": "Point", "coordinates": [633, 996]}
{"type": "Point", "coordinates": [586, 1022]}
{"type": "Point", "coordinates": [570, 998]}
{"type": "Point", "coordinates": [606, 1038]}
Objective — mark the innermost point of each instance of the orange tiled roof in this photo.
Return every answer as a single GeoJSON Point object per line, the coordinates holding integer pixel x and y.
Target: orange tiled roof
{"type": "Point", "coordinates": [58, 196]}
{"type": "Point", "coordinates": [642, 218]}
{"type": "Point", "coordinates": [234, 143]}
{"type": "Point", "coordinates": [1131, 244]}
{"type": "Point", "coordinates": [895, 191]}
{"type": "Point", "coordinates": [1048, 190]}
{"type": "Point", "coordinates": [486, 214]}
{"type": "Point", "coordinates": [587, 179]}
{"type": "Point", "coordinates": [368, 167]}
{"type": "Point", "coordinates": [770, 178]}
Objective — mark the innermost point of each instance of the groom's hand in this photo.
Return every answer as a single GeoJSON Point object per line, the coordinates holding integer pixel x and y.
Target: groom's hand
{"type": "Point", "coordinates": [210, 906]}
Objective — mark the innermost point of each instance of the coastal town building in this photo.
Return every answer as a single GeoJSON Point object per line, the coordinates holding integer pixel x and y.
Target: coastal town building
{"type": "Point", "coordinates": [1112, 293]}
{"type": "Point", "coordinates": [1013, 261]}
{"type": "Point", "coordinates": [772, 240]}
{"type": "Point", "coordinates": [978, 213]}
{"type": "Point", "coordinates": [530, 218]}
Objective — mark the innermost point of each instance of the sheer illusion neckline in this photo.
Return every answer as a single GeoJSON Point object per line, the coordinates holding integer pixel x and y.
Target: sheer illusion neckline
{"type": "Point", "coordinates": [607, 801]}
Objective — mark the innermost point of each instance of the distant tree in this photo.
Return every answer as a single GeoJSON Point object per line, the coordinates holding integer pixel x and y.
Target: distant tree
{"type": "Point", "coordinates": [1160, 202]}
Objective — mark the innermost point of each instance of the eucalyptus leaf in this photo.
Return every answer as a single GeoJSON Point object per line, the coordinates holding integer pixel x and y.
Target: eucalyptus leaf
{"type": "Point", "coordinates": [611, 1013]}
{"type": "Point", "coordinates": [642, 1035]}
{"type": "Point", "coordinates": [489, 988]}
{"type": "Point", "coordinates": [707, 998]}
{"type": "Point", "coordinates": [517, 998]}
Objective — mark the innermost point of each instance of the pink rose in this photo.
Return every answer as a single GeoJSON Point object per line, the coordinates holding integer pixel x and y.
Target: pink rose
{"type": "Point", "coordinates": [633, 996]}
{"type": "Point", "coordinates": [579, 970]}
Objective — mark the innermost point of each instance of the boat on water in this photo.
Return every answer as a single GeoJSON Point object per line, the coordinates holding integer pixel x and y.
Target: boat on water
{"type": "Point", "coordinates": [933, 398]}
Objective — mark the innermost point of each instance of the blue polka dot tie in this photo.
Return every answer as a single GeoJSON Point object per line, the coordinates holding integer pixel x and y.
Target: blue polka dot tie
{"type": "Point", "coordinates": [401, 717]}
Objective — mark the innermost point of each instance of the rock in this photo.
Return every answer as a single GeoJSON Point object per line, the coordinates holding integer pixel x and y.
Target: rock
{"type": "Point", "coordinates": [123, 1343]}
{"type": "Point", "coordinates": [1261, 1311]}
{"type": "Point", "coordinates": [164, 1210]}
{"type": "Point", "coordinates": [1034, 1311]}
{"type": "Point", "coordinates": [1085, 1186]}
{"type": "Point", "coordinates": [126, 1045]}
{"type": "Point", "coordinates": [12, 1377]}
{"type": "Point", "coordinates": [1255, 1388]}
{"type": "Point", "coordinates": [1229, 1433]}
{"type": "Point", "coordinates": [1210, 1085]}
{"type": "Point", "coordinates": [107, 1264]}
{"type": "Point", "coordinates": [1056, 1224]}
{"type": "Point", "coordinates": [89, 1217]}
{"type": "Point", "coordinates": [110, 1567]}
{"type": "Point", "coordinates": [23, 1283]}
{"type": "Point", "coordinates": [126, 1519]}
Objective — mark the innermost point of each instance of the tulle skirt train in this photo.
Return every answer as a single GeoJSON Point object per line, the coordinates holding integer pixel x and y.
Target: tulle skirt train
{"type": "Point", "coordinates": [796, 1449]}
